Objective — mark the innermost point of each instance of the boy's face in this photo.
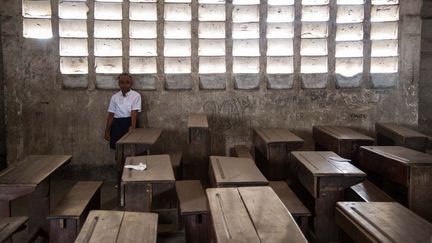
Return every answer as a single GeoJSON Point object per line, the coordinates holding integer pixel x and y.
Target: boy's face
{"type": "Point", "coordinates": [125, 83]}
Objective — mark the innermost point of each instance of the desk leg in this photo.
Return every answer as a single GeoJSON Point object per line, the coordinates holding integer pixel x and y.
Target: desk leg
{"type": "Point", "coordinates": [325, 226]}
{"type": "Point", "coordinates": [39, 207]}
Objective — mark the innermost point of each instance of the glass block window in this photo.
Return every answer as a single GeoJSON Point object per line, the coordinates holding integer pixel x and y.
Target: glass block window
{"type": "Point", "coordinates": [37, 19]}
{"type": "Point", "coordinates": [211, 36]}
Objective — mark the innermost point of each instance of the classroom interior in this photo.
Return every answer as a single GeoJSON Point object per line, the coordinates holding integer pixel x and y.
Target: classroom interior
{"type": "Point", "coordinates": [263, 121]}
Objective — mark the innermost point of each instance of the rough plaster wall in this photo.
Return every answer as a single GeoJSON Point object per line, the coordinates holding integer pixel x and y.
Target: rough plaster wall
{"type": "Point", "coordinates": [425, 84]}
{"type": "Point", "coordinates": [2, 124]}
{"type": "Point", "coordinates": [43, 118]}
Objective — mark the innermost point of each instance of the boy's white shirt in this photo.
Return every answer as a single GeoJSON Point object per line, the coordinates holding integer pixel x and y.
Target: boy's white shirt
{"type": "Point", "coordinates": [122, 106]}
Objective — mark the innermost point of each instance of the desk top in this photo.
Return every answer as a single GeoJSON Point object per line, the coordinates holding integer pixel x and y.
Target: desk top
{"type": "Point", "coordinates": [191, 197]}
{"type": "Point", "coordinates": [236, 171]}
{"type": "Point", "coordinates": [9, 225]}
{"type": "Point", "coordinates": [197, 120]}
{"type": "Point", "coordinates": [342, 133]}
{"type": "Point", "coordinates": [119, 226]}
{"type": "Point", "coordinates": [32, 170]}
{"type": "Point", "coordinates": [141, 136]}
{"type": "Point", "coordinates": [401, 154]}
{"type": "Point", "coordinates": [327, 163]}
{"type": "Point", "coordinates": [277, 135]}
{"type": "Point", "coordinates": [386, 221]}
{"type": "Point", "coordinates": [251, 214]}
{"type": "Point", "coordinates": [399, 130]}
{"type": "Point", "coordinates": [159, 169]}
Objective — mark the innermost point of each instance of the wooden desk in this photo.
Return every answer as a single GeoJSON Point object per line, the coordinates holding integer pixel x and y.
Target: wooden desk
{"type": "Point", "coordinates": [341, 140]}
{"type": "Point", "coordinates": [272, 149]}
{"type": "Point", "coordinates": [117, 226]}
{"type": "Point", "coordinates": [196, 157]}
{"type": "Point", "coordinates": [381, 222]}
{"type": "Point", "coordinates": [325, 179]}
{"type": "Point", "coordinates": [405, 167]}
{"type": "Point", "coordinates": [233, 172]}
{"type": "Point", "coordinates": [137, 142]}
{"type": "Point", "coordinates": [152, 188]}
{"type": "Point", "coordinates": [31, 175]}
{"type": "Point", "coordinates": [10, 225]}
{"type": "Point", "coordinates": [390, 134]}
{"type": "Point", "coordinates": [251, 214]}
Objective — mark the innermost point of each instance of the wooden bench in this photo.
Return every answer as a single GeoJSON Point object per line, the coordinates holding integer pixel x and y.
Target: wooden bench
{"type": "Point", "coordinates": [250, 214]}
{"type": "Point", "coordinates": [366, 191]}
{"type": "Point", "coordinates": [300, 213]}
{"type": "Point", "coordinates": [390, 134]}
{"type": "Point", "coordinates": [380, 222]}
{"type": "Point", "coordinates": [343, 141]}
{"type": "Point", "coordinates": [272, 149]}
{"type": "Point", "coordinates": [241, 151]}
{"type": "Point", "coordinates": [196, 156]}
{"type": "Point", "coordinates": [69, 215]}
{"type": "Point", "coordinates": [119, 227]}
{"type": "Point", "coordinates": [10, 225]}
{"type": "Point", "coordinates": [176, 161]}
{"type": "Point", "coordinates": [193, 210]}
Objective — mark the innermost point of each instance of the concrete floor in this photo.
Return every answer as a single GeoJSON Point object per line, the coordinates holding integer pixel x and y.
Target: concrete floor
{"type": "Point", "coordinates": [60, 187]}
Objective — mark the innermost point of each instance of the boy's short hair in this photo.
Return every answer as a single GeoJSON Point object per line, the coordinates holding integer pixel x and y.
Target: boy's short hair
{"type": "Point", "coordinates": [124, 74]}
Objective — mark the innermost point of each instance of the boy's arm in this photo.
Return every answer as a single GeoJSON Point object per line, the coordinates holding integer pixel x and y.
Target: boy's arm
{"type": "Point", "coordinates": [134, 115]}
{"type": "Point", "coordinates": [108, 125]}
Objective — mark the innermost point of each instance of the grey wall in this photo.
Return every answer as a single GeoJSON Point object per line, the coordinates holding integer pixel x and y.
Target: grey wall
{"type": "Point", "coordinates": [425, 84]}
{"type": "Point", "coordinates": [3, 162]}
{"type": "Point", "coordinates": [43, 118]}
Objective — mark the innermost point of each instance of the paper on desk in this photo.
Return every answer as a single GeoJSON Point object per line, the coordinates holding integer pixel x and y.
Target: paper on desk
{"type": "Point", "coordinates": [339, 159]}
{"type": "Point", "coordinates": [139, 167]}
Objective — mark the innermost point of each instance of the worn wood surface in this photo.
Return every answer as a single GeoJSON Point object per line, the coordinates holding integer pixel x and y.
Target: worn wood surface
{"type": "Point", "coordinates": [406, 167]}
{"type": "Point", "coordinates": [33, 169]}
{"type": "Point", "coordinates": [176, 161]}
{"type": "Point", "coordinates": [159, 169]}
{"type": "Point", "coordinates": [10, 225]}
{"type": "Point", "coordinates": [117, 226]}
{"type": "Point", "coordinates": [241, 151]}
{"type": "Point", "coordinates": [251, 214]}
{"type": "Point", "coordinates": [325, 179]}
{"type": "Point", "coordinates": [342, 140]}
{"type": "Point", "coordinates": [289, 199]}
{"type": "Point", "coordinates": [192, 198]}
{"type": "Point", "coordinates": [196, 228]}
{"type": "Point", "coordinates": [366, 191]}
{"type": "Point", "coordinates": [197, 120]}
{"type": "Point", "coordinates": [230, 171]}
{"type": "Point", "coordinates": [76, 200]}
{"type": "Point", "coordinates": [393, 134]}
{"type": "Point", "coordinates": [381, 222]}
{"type": "Point", "coordinates": [141, 136]}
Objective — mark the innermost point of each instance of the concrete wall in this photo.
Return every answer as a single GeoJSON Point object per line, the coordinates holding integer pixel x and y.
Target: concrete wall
{"type": "Point", "coordinates": [425, 84]}
{"type": "Point", "coordinates": [3, 162]}
{"type": "Point", "coordinates": [44, 118]}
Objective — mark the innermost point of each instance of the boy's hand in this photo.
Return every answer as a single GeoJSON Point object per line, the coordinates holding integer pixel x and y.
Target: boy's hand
{"type": "Point", "coordinates": [107, 135]}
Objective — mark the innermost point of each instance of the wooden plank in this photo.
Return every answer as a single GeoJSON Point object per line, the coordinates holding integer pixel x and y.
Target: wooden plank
{"type": "Point", "coordinates": [76, 200]}
{"type": "Point", "coordinates": [343, 133]}
{"type": "Point", "coordinates": [393, 134]}
{"type": "Point", "coordinates": [230, 171]}
{"type": "Point", "coordinates": [101, 226]}
{"type": "Point", "coordinates": [321, 164]}
{"type": "Point", "coordinates": [242, 151]}
{"type": "Point", "coordinates": [392, 129]}
{"type": "Point", "coordinates": [9, 225]}
{"type": "Point", "coordinates": [138, 228]}
{"type": "Point", "coordinates": [368, 192]}
{"type": "Point", "coordinates": [176, 158]}
{"type": "Point", "coordinates": [159, 169]}
{"type": "Point", "coordinates": [147, 136]}
{"type": "Point", "coordinates": [271, 218]}
{"type": "Point", "coordinates": [197, 120]}
{"type": "Point", "coordinates": [401, 154]}
{"type": "Point", "coordinates": [33, 169]}
{"type": "Point", "coordinates": [191, 197]}
{"type": "Point", "coordinates": [289, 199]}
{"type": "Point", "coordinates": [277, 135]}
{"type": "Point", "coordinates": [382, 222]}
{"type": "Point", "coordinates": [230, 218]}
